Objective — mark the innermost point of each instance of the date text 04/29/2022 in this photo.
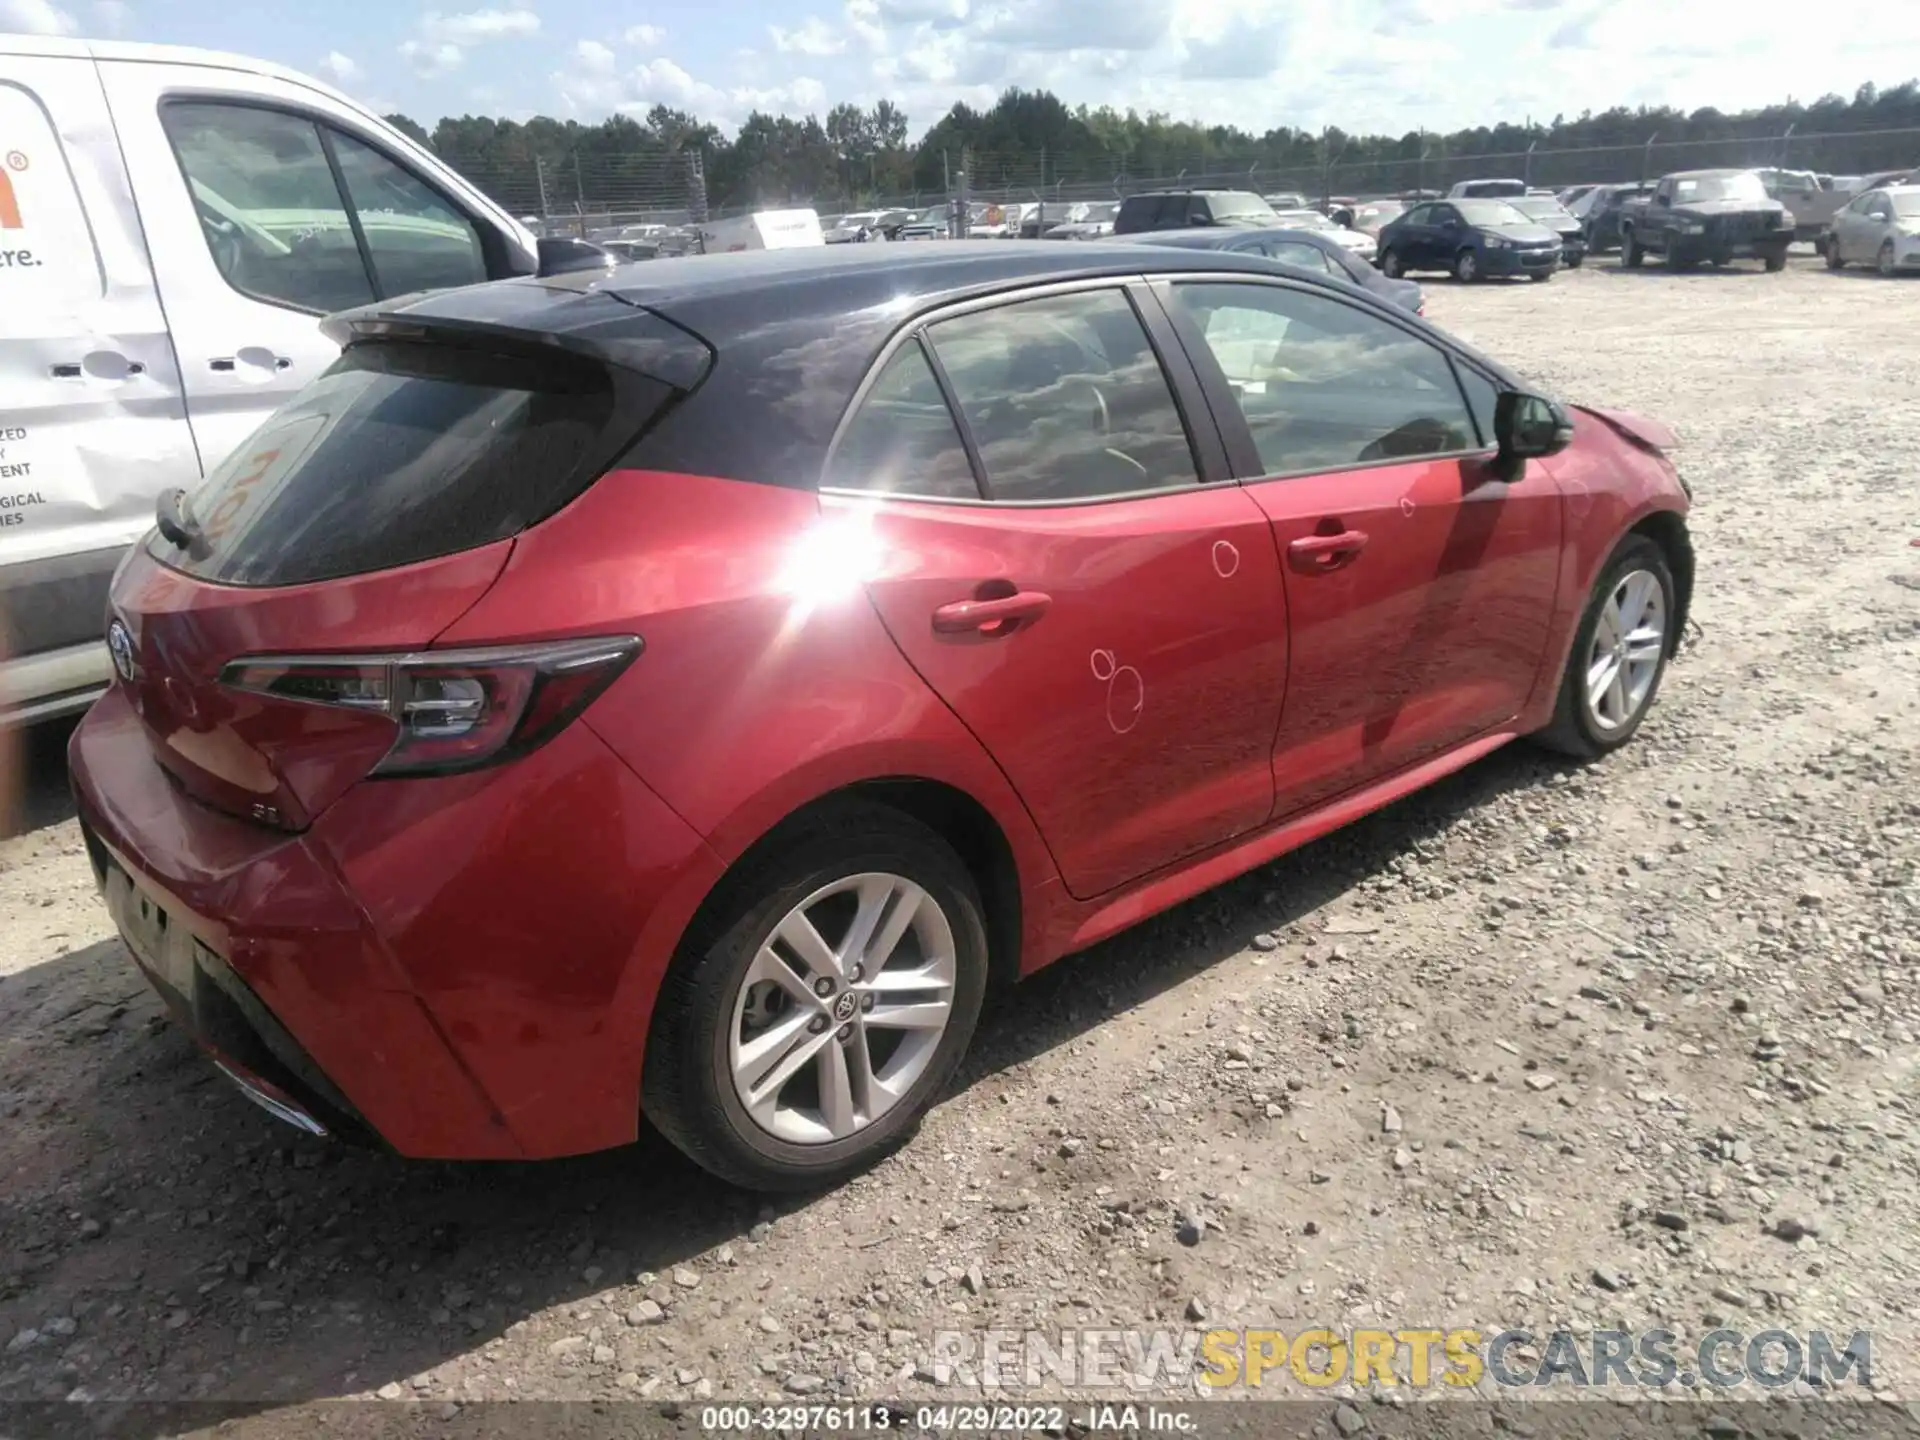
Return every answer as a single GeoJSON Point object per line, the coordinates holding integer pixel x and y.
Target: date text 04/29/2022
{"type": "Point", "coordinates": [961, 1419]}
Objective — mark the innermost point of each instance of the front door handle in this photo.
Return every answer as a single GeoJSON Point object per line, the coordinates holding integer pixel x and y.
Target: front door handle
{"type": "Point", "coordinates": [1327, 552]}
{"type": "Point", "coordinates": [998, 616]}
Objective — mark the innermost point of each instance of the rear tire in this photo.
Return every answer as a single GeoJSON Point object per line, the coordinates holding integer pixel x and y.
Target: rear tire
{"type": "Point", "coordinates": [1581, 726]}
{"type": "Point", "coordinates": [1832, 251]}
{"type": "Point", "coordinates": [716, 1001]}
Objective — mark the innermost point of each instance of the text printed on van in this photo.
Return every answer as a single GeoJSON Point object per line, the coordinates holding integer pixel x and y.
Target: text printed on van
{"type": "Point", "coordinates": [18, 260]}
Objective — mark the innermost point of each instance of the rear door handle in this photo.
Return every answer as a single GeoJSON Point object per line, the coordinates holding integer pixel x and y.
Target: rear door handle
{"type": "Point", "coordinates": [990, 617]}
{"type": "Point", "coordinates": [1327, 552]}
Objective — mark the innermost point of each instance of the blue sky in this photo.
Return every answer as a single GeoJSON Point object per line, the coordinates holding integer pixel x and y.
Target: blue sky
{"type": "Point", "coordinates": [1368, 65]}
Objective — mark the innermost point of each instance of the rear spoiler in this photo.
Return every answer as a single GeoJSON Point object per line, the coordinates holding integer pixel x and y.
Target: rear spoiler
{"type": "Point", "coordinates": [561, 313]}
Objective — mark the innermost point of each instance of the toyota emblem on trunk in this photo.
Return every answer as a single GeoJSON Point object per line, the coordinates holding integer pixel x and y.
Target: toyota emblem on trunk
{"type": "Point", "coordinates": [120, 645]}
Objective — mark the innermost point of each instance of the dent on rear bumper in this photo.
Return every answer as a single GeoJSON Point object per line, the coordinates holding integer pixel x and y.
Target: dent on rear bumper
{"type": "Point", "coordinates": [273, 907]}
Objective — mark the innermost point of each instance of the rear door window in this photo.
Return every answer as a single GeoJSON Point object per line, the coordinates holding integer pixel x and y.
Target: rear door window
{"type": "Point", "coordinates": [402, 452]}
{"type": "Point", "coordinates": [1065, 398]}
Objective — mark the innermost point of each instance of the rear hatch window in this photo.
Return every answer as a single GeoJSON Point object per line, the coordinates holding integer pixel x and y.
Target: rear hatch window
{"type": "Point", "coordinates": [406, 450]}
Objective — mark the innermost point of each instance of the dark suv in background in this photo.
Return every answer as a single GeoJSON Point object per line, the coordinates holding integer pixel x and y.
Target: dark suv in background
{"type": "Point", "coordinates": [1183, 209]}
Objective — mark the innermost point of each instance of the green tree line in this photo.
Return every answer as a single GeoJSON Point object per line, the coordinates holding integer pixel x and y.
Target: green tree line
{"type": "Point", "coordinates": [1032, 139]}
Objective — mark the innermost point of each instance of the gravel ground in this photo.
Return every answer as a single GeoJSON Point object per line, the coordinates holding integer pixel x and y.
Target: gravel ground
{"type": "Point", "coordinates": [1631, 1045]}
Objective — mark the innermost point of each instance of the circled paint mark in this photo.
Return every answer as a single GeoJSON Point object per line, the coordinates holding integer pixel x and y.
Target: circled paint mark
{"type": "Point", "coordinates": [1226, 559]}
{"type": "Point", "coordinates": [1126, 691]}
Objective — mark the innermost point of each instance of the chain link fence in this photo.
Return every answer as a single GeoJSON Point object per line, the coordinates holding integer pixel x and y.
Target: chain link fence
{"type": "Point", "coordinates": [587, 193]}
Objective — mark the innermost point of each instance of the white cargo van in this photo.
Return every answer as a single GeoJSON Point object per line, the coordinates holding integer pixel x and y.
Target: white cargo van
{"type": "Point", "coordinates": [173, 225]}
{"type": "Point", "coordinates": [762, 230]}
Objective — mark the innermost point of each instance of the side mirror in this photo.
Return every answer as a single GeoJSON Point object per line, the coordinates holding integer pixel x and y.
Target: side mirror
{"type": "Point", "coordinates": [563, 255]}
{"type": "Point", "coordinates": [1527, 427]}
{"type": "Point", "coordinates": [1199, 217]}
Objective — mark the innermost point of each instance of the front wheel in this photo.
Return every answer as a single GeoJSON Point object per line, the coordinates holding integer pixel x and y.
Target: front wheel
{"type": "Point", "coordinates": [822, 1002]}
{"type": "Point", "coordinates": [1775, 261]}
{"type": "Point", "coordinates": [1574, 261]}
{"type": "Point", "coordinates": [1542, 277]}
{"type": "Point", "coordinates": [1884, 262]}
{"type": "Point", "coordinates": [1390, 265]}
{"type": "Point", "coordinates": [1631, 255]}
{"type": "Point", "coordinates": [1620, 651]}
{"type": "Point", "coordinates": [1466, 267]}
{"type": "Point", "coordinates": [1835, 261]}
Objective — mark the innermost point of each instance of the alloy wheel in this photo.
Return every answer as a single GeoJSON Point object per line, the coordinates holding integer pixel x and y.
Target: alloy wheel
{"type": "Point", "coordinates": [1623, 658]}
{"type": "Point", "coordinates": [1887, 266]}
{"type": "Point", "coordinates": [842, 1009]}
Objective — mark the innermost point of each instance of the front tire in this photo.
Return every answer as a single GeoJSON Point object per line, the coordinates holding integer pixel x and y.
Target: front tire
{"type": "Point", "coordinates": [1619, 655]}
{"type": "Point", "coordinates": [1631, 255]}
{"type": "Point", "coordinates": [1574, 261]}
{"type": "Point", "coordinates": [1390, 265]}
{"type": "Point", "coordinates": [1835, 261]}
{"type": "Point", "coordinates": [821, 1003]}
{"type": "Point", "coordinates": [1466, 267]}
{"type": "Point", "coordinates": [1775, 261]}
{"type": "Point", "coordinates": [1884, 261]}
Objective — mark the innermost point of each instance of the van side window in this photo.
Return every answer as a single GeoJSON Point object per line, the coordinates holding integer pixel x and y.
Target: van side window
{"type": "Point", "coordinates": [279, 218]}
{"type": "Point", "coordinates": [418, 241]}
{"type": "Point", "coordinates": [268, 205]}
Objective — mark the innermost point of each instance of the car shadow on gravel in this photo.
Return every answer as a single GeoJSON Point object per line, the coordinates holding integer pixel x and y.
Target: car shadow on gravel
{"type": "Point", "coordinates": [33, 778]}
{"type": "Point", "coordinates": [158, 1225]}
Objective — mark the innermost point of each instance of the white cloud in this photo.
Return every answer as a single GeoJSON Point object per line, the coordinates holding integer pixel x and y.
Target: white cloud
{"type": "Point", "coordinates": [595, 58]}
{"type": "Point", "coordinates": [430, 61]}
{"type": "Point", "coordinates": [474, 26]}
{"type": "Point", "coordinates": [111, 17]}
{"type": "Point", "coordinates": [35, 17]}
{"type": "Point", "coordinates": [644, 37]}
{"type": "Point", "coordinates": [812, 37]}
{"type": "Point", "coordinates": [341, 69]}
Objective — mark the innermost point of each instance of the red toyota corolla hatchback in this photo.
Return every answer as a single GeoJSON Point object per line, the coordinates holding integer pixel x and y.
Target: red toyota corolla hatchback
{"type": "Point", "coordinates": [683, 691]}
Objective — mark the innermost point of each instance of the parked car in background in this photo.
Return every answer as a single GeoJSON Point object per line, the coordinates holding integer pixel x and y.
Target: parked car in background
{"type": "Point", "coordinates": [1287, 200]}
{"type": "Point", "coordinates": [1711, 216]}
{"type": "Point", "coordinates": [1600, 213]}
{"type": "Point", "coordinates": [1813, 199]}
{"type": "Point", "coordinates": [927, 224]}
{"type": "Point", "coordinates": [1487, 189]}
{"type": "Point", "coordinates": [1183, 209]}
{"type": "Point", "coordinates": [1093, 221]}
{"type": "Point", "coordinates": [1879, 228]}
{"type": "Point", "coordinates": [628, 251]}
{"type": "Point", "coordinates": [847, 229]}
{"type": "Point", "coordinates": [1312, 250]}
{"type": "Point", "coordinates": [175, 224]}
{"type": "Point", "coordinates": [1370, 215]}
{"type": "Point", "coordinates": [1357, 241]}
{"type": "Point", "coordinates": [1338, 208]}
{"type": "Point", "coordinates": [1548, 211]}
{"type": "Point", "coordinates": [1473, 239]}
{"type": "Point", "coordinates": [676, 698]}
{"type": "Point", "coordinates": [1573, 194]}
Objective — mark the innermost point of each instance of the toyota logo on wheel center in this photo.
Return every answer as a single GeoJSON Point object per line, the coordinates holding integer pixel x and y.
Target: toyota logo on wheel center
{"type": "Point", "coordinates": [844, 1007]}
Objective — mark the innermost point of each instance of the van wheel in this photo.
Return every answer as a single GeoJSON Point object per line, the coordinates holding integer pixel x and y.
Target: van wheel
{"type": "Point", "coordinates": [821, 1003]}
{"type": "Point", "coordinates": [1620, 651]}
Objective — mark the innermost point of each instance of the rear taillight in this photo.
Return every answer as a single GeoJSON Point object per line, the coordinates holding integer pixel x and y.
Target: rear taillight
{"type": "Point", "coordinates": [454, 709]}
